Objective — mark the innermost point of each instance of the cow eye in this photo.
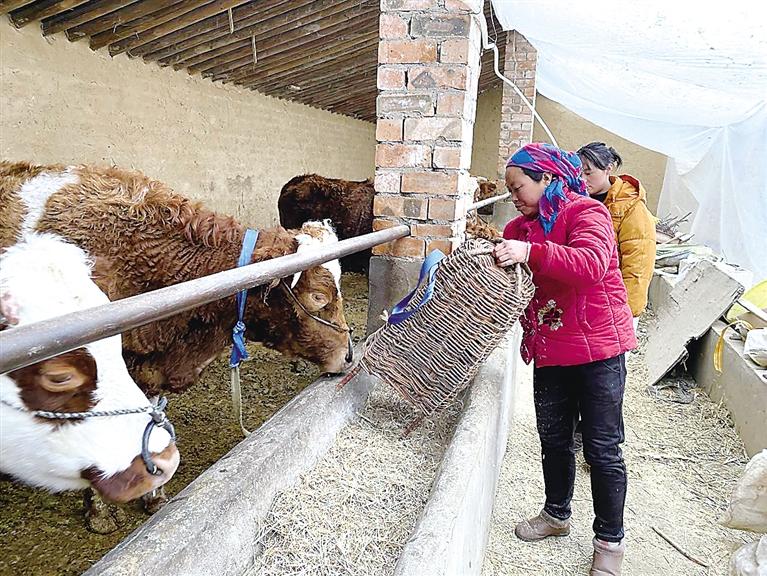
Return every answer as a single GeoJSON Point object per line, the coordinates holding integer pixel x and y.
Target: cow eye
{"type": "Point", "coordinates": [59, 378]}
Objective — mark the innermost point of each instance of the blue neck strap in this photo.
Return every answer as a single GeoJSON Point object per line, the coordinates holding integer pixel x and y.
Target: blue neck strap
{"type": "Point", "coordinates": [401, 312]}
{"type": "Point", "coordinates": [239, 353]}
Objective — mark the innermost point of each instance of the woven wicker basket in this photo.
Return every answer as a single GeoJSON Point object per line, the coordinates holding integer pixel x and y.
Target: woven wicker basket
{"type": "Point", "coordinates": [430, 357]}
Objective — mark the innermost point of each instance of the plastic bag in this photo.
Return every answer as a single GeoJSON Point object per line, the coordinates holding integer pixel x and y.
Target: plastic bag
{"type": "Point", "coordinates": [756, 346]}
{"type": "Point", "coordinates": [748, 505]}
{"type": "Point", "coordinates": [750, 559]}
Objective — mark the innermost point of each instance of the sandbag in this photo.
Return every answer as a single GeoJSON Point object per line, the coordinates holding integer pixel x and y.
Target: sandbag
{"type": "Point", "coordinates": [750, 559]}
{"type": "Point", "coordinates": [748, 505]}
{"type": "Point", "coordinates": [756, 346]}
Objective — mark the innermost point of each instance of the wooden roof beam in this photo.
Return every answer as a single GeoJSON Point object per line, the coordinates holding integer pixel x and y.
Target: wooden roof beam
{"type": "Point", "coordinates": [200, 13]}
{"type": "Point", "coordinates": [285, 42]}
{"type": "Point", "coordinates": [80, 15]}
{"type": "Point", "coordinates": [317, 67]}
{"type": "Point", "coordinates": [10, 5]}
{"type": "Point", "coordinates": [299, 47]}
{"type": "Point", "coordinates": [303, 14]}
{"type": "Point", "coordinates": [139, 25]}
{"type": "Point", "coordinates": [292, 60]}
{"type": "Point", "coordinates": [204, 30]}
{"type": "Point", "coordinates": [38, 11]}
{"type": "Point", "coordinates": [122, 13]}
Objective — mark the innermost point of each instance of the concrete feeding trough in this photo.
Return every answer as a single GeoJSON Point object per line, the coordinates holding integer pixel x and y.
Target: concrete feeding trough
{"type": "Point", "coordinates": [210, 527]}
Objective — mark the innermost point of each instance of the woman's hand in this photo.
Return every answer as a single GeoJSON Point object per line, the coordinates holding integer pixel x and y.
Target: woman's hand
{"type": "Point", "coordinates": [511, 252]}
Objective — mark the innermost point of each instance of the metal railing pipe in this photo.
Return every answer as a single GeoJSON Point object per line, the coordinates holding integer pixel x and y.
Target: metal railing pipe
{"type": "Point", "coordinates": [487, 201]}
{"type": "Point", "coordinates": [31, 343]}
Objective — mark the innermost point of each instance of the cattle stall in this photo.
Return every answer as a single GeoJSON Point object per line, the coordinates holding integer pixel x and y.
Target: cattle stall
{"type": "Point", "coordinates": [233, 144]}
{"type": "Point", "coordinates": [202, 412]}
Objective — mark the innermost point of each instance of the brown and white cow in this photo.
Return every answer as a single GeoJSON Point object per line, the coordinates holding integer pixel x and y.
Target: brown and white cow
{"type": "Point", "coordinates": [42, 277]}
{"type": "Point", "coordinates": [142, 236]}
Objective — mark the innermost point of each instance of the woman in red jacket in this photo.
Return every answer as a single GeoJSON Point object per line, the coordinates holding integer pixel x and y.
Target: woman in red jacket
{"type": "Point", "coordinates": [576, 330]}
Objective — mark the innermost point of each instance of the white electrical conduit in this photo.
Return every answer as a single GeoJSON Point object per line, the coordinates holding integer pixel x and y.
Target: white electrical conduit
{"type": "Point", "coordinates": [487, 45]}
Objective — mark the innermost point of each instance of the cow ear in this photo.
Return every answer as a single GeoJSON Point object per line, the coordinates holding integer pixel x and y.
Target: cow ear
{"type": "Point", "coordinates": [56, 376]}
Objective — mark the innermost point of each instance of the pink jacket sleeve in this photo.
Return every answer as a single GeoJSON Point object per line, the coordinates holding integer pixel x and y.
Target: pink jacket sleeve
{"type": "Point", "coordinates": [584, 259]}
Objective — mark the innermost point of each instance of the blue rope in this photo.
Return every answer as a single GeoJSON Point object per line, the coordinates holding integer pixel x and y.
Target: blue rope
{"type": "Point", "coordinates": [239, 353]}
{"type": "Point", "coordinates": [428, 269]}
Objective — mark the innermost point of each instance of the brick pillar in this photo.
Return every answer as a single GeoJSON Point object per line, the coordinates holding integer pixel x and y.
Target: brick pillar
{"type": "Point", "coordinates": [519, 66]}
{"type": "Point", "coordinates": [428, 70]}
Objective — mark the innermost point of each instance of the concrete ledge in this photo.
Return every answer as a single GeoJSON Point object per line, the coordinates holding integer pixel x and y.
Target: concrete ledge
{"type": "Point", "coordinates": [210, 526]}
{"type": "Point", "coordinates": [741, 386]}
{"type": "Point", "coordinates": [451, 535]}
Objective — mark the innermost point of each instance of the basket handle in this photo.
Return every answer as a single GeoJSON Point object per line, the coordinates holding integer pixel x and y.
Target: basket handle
{"type": "Point", "coordinates": [428, 269]}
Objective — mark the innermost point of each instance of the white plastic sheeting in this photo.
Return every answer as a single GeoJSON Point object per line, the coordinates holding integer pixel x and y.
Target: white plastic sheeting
{"type": "Point", "coordinates": [685, 78]}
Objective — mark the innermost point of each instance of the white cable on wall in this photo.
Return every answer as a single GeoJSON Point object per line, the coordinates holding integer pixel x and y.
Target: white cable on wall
{"type": "Point", "coordinates": [487, 45]}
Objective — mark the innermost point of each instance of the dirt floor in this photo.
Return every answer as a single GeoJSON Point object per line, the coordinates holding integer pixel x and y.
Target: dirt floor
{"type": "Point", "coordinates": [683, 461]}
{"type": "Point", "coordinates": [44, 534]}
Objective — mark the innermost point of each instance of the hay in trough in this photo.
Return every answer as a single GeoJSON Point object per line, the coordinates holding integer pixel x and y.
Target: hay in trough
{"type": "Point", "coordinates": [354, 511]}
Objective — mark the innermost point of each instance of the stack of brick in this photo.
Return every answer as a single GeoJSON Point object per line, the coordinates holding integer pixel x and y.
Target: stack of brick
{"type": "Point", "coordinates": [427, 77]}
{"type": "Point", "coordinates": [516, 118]}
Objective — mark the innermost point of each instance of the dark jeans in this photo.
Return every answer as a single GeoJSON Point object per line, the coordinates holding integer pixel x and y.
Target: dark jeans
{"type": "Point", "coordinates": [595, 391]}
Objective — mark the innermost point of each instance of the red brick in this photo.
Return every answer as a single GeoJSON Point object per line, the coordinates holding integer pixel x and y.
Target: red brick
{"type": "Point", "coordinates": [432, 128]}
{"type": "Point", "coordinates": [408, 247]}
{"type": "Point", "coordinates": [392, 26]}
{"type": "Point", "coordinates": [390, 78]}
{"type": "Point", "coordinates": [447, 157]}
{"type": "Point", "coordinates": [440, 77]}
{"type": "Point", "coordinates": [473, 6]}
{"type": "Point", "coordinates": [400, 207]}
{"type": "Point", "coordinates": [451, 103]}
{"type": "Point", "coordinates": [403, 156]}
{"type": "Point", "coordinates": [383, 224]}
{"type": "Point", "coordinates": [407, 4]}
{"type": "Point", "coordinates": [407, 51]}
{"type": "Point", "coordinates": [439, 25]}
{"type": "Point", "coordinates": [446, 246]}
{"type": "Point", "coordinates": [455, 51]}
{"type": "Point", "coordinates": [388, 129]}
{"type": "Point", "coordinates": [422, 104]}
{"type": "Point", "coordinates": [387, 181]}
{"type": "Point", "coordinates": [430, 183]}
{"type": "Point", "coordinates": [446, 209]}
{"type": "Point", "coordinates": [433, 230]}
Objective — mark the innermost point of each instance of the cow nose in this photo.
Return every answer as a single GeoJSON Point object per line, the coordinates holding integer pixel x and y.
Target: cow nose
{"type": "Point", "coordinates": [349, 350]}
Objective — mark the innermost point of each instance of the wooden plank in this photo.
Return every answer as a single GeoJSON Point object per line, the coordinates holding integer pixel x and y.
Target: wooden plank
{"type": "Point", "coordinates": [38, 11]}
{"type": "Point", "coordinates": [362, 62]}
{"type": "Point", "coordinates": [338, 24]}
{"type": "Point", "coordinates": [347, 84]}
{"type": "Point", "coordinates": [118, 17]}
{"type": "Point", "coordinates": [315, 68]}
{"type": "Point", "coordinates": [80, 15]}
{"type": "Point", "coordinates": [9, 5]}
{"type": "Point", "coordinates": [300, 49]}
{"type": "Point", "coordinates": [139, 25]}
{"type": "Point", "coordinates": [292, 60]}
{"type": "Point", "coordinates": [196, 15]}
{"type": "Point", "coordinates": [263, 31]}
{"type": "Point", "coordinates": [266, 23]}
{"type": "Point", "coordinates": [205, 30]}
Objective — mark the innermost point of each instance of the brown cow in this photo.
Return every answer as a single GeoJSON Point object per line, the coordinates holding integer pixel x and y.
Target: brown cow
{"type": "Point", "coordinates": [347, 203]}
{"type": "Point", "coordinates": [143, 236]}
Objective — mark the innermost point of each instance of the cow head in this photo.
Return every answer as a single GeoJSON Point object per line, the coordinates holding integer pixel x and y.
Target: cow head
{"type": "Point", "coordinates": [40, 278]}
{"type": "Point", "coordinates": [302, 316]}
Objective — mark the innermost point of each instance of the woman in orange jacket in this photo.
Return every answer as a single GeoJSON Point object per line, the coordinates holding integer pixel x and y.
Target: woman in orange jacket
{"type": "Point", "coordinates": [634, 225]}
